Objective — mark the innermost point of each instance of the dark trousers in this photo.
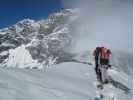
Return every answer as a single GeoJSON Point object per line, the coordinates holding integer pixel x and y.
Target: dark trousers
{"type": "Point", "coordinates": [96, 66]}
{"type": "Point", "coordinates": [97, 70]}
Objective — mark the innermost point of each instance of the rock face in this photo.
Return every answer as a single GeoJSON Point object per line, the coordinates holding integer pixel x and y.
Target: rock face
{"type": "Point", "coordinates": [46, 40]}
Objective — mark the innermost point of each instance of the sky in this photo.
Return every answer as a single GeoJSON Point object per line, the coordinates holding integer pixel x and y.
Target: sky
{"type": "Point", "coordinates": [12, 11]}
{"type": "Point", "coordinates": [106, 23]}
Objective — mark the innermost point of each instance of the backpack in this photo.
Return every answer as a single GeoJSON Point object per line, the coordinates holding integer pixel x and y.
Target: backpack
{"type": "Point", "coordinates": [105, 53]}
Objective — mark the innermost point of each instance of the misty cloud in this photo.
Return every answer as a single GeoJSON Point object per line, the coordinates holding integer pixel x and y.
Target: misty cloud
{"type": "Point", "coordinates": [103, 22]}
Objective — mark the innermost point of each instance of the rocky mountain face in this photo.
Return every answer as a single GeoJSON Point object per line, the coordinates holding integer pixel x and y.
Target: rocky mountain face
{"type": "Point", "coordinates": [44, 39]}
{"type": "Point", "coordinates": [16, 35]}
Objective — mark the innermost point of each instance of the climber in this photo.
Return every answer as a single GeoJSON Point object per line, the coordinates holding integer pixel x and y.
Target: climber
{"type": "Point", "coordinates": [104, 64]}
{"type": "Point", "coordinates": [96, 54]}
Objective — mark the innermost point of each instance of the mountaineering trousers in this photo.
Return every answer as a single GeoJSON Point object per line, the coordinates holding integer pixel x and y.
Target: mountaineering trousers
{"type": "Point", "coordinates": [104, 73]}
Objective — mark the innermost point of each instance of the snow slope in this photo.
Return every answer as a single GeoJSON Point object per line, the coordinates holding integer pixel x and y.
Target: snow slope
{"type": "Point", "coordinates": [66, 81]}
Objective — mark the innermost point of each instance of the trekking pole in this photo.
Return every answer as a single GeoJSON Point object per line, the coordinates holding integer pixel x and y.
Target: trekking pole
{"type": "Point", "coordinates": [86, 63]}
{"type": "Point", "coordinates": [77, 61]}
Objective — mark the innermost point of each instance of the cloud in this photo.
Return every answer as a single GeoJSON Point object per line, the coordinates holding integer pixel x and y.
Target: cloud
{"type": "Point", "coordinates": [107, 22]}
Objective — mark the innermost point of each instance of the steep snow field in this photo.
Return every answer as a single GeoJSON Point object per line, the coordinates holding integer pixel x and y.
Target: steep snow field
{"type": "Point", "coordinates": [66, 81]}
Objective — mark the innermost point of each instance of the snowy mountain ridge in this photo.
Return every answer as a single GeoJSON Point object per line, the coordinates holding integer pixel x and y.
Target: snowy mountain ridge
{"type": "Point", "coordinates": [45, 40]}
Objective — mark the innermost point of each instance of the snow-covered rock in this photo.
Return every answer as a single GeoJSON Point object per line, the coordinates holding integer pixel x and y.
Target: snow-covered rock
{"type": "Point", "coordinates": [45, 40]}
